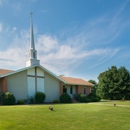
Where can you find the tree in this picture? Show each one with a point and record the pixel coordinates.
(114, 83)
(94, 88)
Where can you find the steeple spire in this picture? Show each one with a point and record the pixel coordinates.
(32, 46)
(32, 52)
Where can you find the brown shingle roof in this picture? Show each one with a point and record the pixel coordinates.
(75, 81)
(3, 71)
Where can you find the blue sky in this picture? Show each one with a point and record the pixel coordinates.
(78, 38)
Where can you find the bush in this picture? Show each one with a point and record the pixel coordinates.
(93, 97)
(25, 101)
(8, 98)
(96, 99)
(88, 100)
(55, 101)
(40, 97)
(20, 102)
(65, 98)
(81, 97)
(31, 100)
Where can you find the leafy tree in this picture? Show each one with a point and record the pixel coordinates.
(114, 83)
(94, 88)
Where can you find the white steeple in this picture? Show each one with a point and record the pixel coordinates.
(32, 52)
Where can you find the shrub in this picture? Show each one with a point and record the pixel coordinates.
(88, 100)
(40, 97)
(25, 101)
(96, 99)
(93, 97)
(8, 98)
(20, 102)
(65, 98)
(81, 97)
(31, 99)
(55, 101)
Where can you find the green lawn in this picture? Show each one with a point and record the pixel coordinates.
(92, 116)
(118, 103)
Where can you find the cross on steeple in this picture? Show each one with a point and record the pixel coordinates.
(31, 13)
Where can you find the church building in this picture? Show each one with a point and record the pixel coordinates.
(27, 81)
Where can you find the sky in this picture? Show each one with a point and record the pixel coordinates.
(74, 38)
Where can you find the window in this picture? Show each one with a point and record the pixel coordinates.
(71, 90)
(33, 54)
(84, 90)
(64, 89)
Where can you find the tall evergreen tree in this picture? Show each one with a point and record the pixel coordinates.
(114, 83)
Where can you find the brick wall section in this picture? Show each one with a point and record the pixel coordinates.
(3, 84)
(88, 90)
(80, 89)
(61, 87)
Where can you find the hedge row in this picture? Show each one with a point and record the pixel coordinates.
(9, 99)
(90, 98)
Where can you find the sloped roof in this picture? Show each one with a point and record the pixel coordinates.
(75, 81)
(9, 72)
(3, 71)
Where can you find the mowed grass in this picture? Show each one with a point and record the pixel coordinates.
(90, 116)
(116, 102)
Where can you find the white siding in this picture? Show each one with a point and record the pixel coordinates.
(31, 71)
(17, 84)
(52, 88)
(40, 72)
(31, 86)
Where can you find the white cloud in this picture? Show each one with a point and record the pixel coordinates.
(46, 43)
(15, 56)
(65, 58)
(104, 56)
(1, 27)
(14, 28)
(57, 57)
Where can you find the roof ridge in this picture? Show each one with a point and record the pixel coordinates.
(70, 77)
